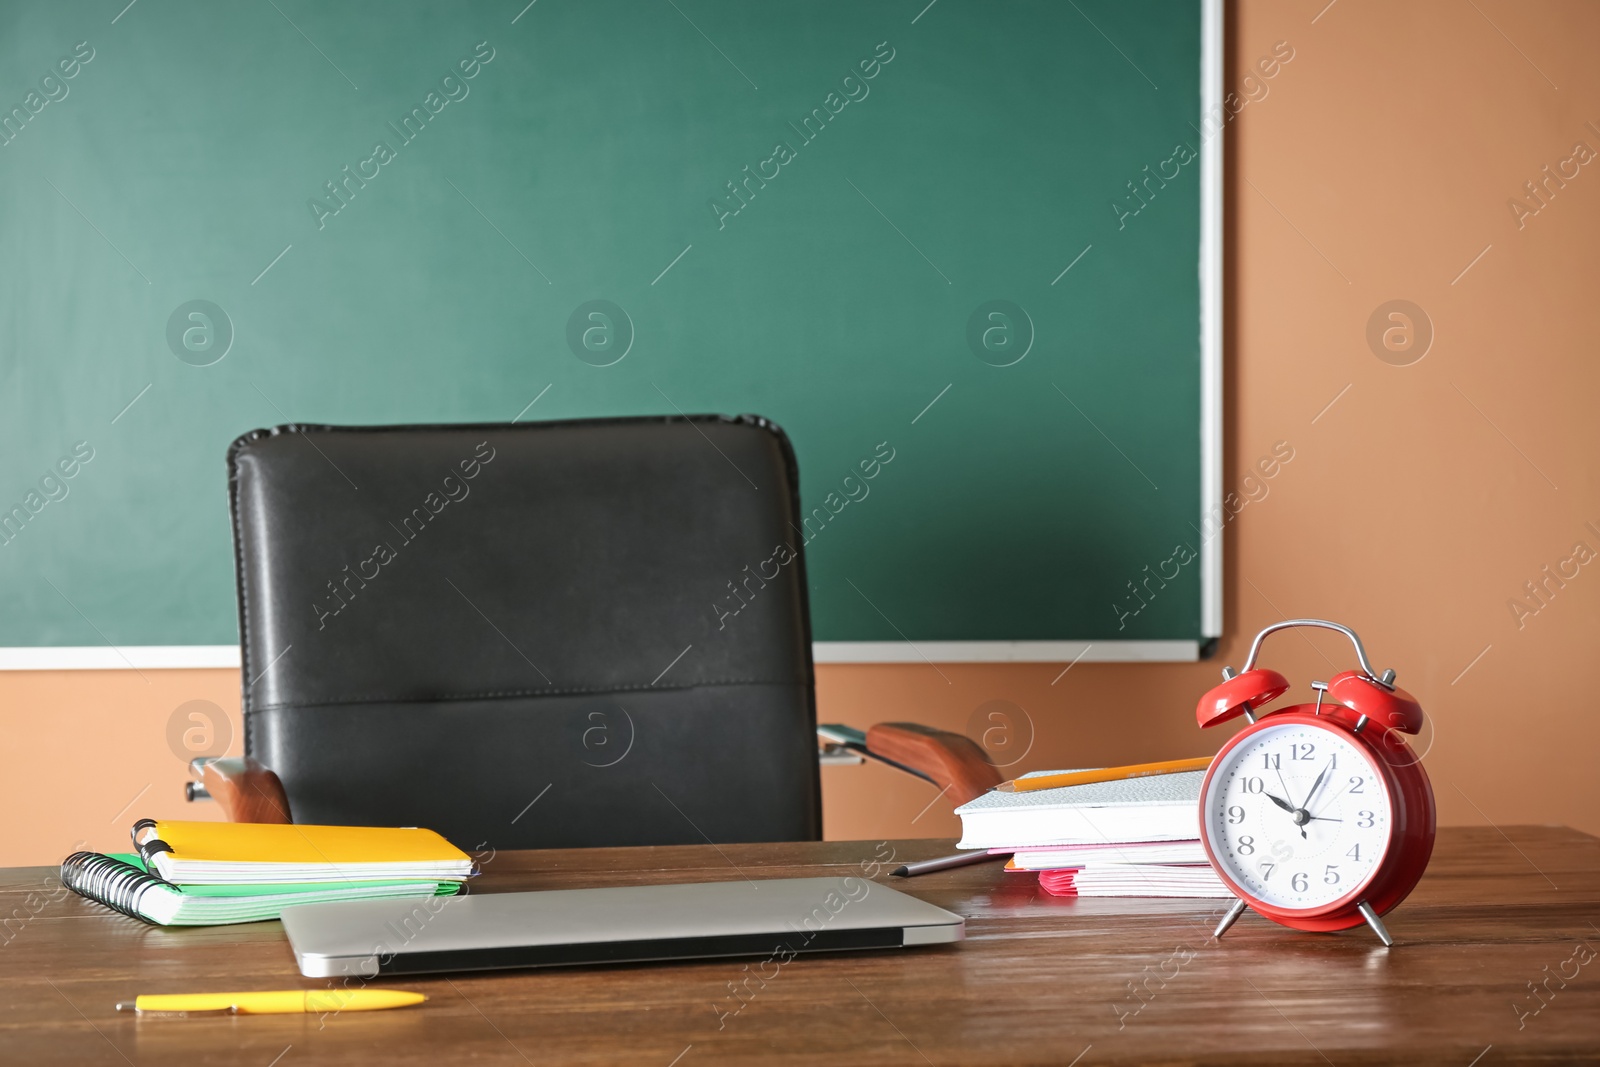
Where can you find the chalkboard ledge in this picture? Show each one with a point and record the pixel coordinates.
(120, 658)
(1181, 651)
(171, 657)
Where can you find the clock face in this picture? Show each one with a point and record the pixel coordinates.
(1297, 816)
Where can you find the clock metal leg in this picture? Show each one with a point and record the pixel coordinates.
(1229, 919)
(1376, 923)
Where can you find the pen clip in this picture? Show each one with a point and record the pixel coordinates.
(127, 1005)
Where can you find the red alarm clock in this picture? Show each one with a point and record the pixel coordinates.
(1318, 816)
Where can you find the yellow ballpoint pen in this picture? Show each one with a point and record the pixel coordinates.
(275, 1002)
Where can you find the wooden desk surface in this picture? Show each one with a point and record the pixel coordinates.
(1038, 980)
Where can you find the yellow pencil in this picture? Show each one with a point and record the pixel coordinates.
(276, 1002)
(1104, 774)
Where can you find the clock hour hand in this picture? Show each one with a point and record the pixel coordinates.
(1300, 816)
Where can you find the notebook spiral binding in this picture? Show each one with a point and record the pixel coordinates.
(109, 881)
(148, 850)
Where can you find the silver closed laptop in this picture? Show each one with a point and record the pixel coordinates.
(779, 917)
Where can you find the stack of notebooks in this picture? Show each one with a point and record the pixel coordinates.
(1135, 837)
(204, 873)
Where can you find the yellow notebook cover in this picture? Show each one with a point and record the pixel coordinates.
(225, 842)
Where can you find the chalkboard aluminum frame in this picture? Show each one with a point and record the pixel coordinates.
(1210, 266)
(160, 657)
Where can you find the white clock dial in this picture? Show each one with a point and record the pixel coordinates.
(1297, 815)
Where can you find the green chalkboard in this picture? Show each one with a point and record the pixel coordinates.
(855, 218)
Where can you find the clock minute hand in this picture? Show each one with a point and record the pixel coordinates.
(1317, 785)
(1302, 814)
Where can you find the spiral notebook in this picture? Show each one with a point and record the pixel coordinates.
(123, 882)
(221, 853)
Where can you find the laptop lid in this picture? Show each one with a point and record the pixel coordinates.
(781, 917)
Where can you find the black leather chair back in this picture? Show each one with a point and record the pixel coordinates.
(537, 635)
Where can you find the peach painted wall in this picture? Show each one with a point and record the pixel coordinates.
(1379, 166)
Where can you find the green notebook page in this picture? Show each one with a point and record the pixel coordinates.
(133, 859)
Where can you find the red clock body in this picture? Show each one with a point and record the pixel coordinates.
(1318, 816)
(1407, 846)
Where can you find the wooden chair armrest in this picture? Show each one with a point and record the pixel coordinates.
(953, 761)
(247, 790)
